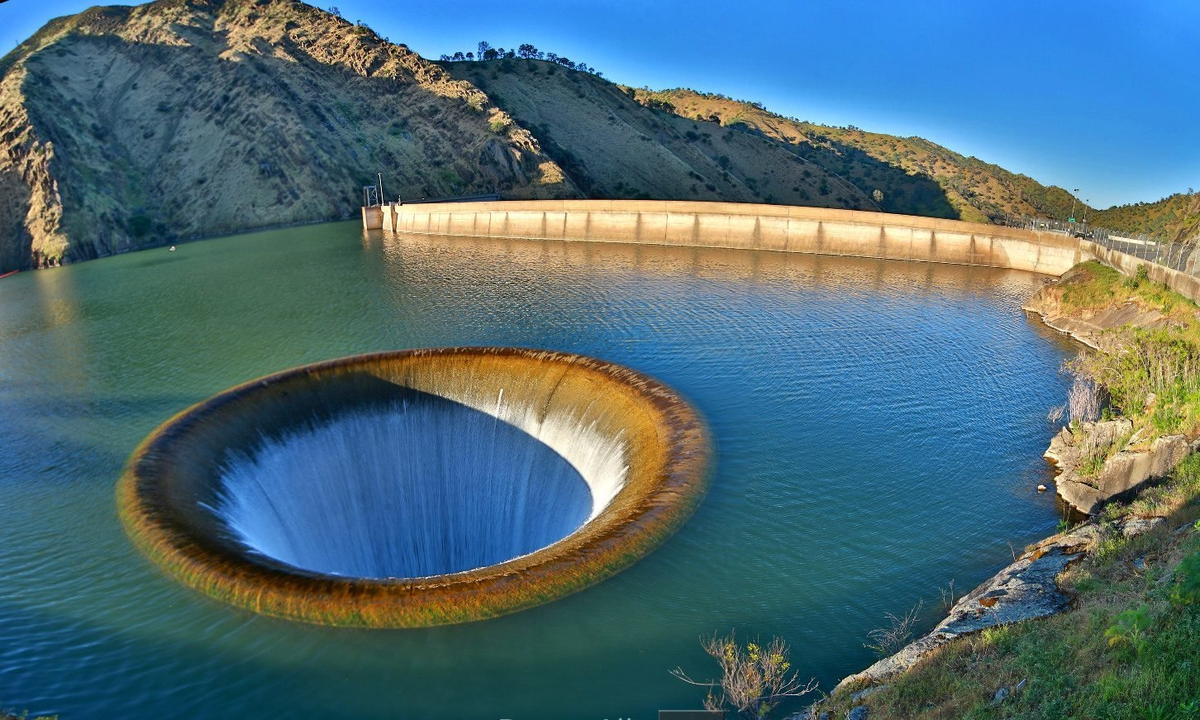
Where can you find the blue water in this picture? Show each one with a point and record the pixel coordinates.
(879, 429)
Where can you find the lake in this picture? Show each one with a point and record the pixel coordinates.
(878, 426)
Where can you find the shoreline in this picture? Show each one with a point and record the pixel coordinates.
(182, 240)
(1028, 588)
(1024, 589)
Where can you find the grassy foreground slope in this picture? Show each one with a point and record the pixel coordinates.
(1130, 647)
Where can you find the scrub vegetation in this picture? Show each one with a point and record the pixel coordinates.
(1175, 218)
(1130, 647)
(1150, 375)
(755, 677)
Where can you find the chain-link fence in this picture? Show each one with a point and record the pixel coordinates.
(1177, 256)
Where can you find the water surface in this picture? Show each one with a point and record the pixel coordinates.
(879, 428)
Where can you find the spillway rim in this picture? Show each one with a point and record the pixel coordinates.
(667, 479)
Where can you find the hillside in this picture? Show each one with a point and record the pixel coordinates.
(614, 147)
(1175, 218)
(125, 127)
(129, 126)
(915, 176)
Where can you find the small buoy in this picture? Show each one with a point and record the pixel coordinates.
(1041, 488)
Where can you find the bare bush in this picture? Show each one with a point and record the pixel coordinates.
(948, 598)
(1056, 413)
(1083, 402)
(887, 640)
(754, 678)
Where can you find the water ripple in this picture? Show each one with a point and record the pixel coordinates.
(878, 425)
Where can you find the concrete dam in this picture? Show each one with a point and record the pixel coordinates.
(819, 231)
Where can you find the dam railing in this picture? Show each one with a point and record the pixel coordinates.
(1152, 248)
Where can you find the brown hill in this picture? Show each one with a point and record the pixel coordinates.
(913, 175)
(1175, 218)
(124, 127)
(128, 126)
(612, 146)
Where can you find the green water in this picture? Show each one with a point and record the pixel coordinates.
(879, 428)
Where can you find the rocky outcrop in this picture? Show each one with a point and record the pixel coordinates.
(1122, 472)
(1086, 325)
(1128, 463)
(1026, 589)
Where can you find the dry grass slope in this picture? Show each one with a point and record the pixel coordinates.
(913, 175)
(129, 126)
(612, 146)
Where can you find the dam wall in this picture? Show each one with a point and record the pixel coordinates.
(1181, 282)
(820, 231)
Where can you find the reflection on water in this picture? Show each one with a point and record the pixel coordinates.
(879, 428)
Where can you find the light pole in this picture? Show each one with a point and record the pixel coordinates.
(1074, 192)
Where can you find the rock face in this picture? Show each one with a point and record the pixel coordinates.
(1086, 326)
(1026, 589)
(1076, 452)
(122, 127)
(1121, 474)
(1023, 590)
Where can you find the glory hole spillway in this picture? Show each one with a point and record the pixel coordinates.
(416, 488)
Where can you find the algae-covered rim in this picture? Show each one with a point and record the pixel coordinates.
(667, 448)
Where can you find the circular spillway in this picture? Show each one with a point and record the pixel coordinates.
(416, 488)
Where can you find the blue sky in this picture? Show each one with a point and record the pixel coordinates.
(1100, 95)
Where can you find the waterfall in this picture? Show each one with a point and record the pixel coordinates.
(422, 486)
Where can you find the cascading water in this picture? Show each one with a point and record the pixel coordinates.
(416, 488)
(421, 487)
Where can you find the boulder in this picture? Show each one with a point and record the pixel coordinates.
(1122, 473)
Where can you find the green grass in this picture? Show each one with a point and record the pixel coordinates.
(1100, 287)
(1129, 649)
(1151, 374)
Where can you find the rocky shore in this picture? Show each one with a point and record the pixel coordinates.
(1078, 447)
(1097, 461)
(1026, 589)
